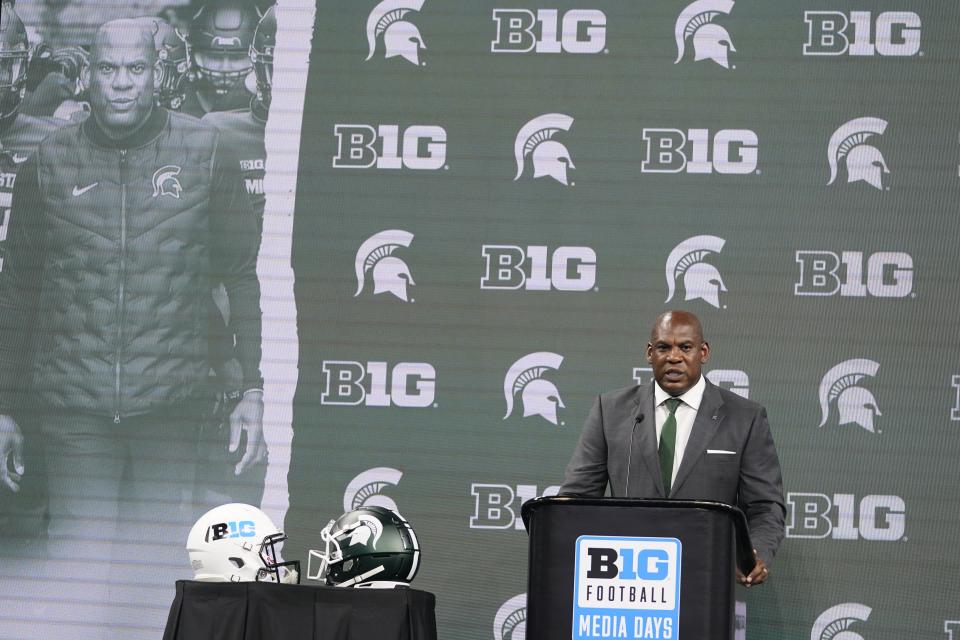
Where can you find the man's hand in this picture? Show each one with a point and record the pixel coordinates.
(759, 574)
(11, 445)
(248, 416)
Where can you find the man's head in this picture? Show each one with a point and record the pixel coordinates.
(677, 351)
(13, 60)
(120, 76)
(220, 38)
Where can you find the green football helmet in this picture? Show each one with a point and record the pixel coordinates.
(367, 547)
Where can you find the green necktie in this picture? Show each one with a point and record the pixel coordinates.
(668, 443)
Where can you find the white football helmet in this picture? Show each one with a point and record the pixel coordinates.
(236, 543)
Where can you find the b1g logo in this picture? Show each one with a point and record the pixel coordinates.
(710, 40)
(855, 404)
(366, 489)
(863, 162)
(836, 622)
(626, 587)
(885, 274)
(374, 384)
(418, 147)
(232, 529)
(727, 152)
(700, 279)
(733, 380)
(816, 515)
(550, 157)
(510, 621)
(834, 33)
(549, 31)
(390, 20)
(535, 268)
(390, 273)
(538, 396)
(497, 506)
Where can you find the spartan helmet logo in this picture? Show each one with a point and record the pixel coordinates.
(700, 280)
(864, 161)
(550, 158)
(390, 274)
(364, 490)
(400, 37)
(854, 404)
(367, 531)
(510, 623)
(539, 396)
(165, 182)
(710, 41)
(835, 622)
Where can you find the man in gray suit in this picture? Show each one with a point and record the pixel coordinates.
(683, 437)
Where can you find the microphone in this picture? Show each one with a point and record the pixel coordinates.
(626, 488)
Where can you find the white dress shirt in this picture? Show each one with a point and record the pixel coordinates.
(685, 415)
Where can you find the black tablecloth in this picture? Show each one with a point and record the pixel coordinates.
(262, 611)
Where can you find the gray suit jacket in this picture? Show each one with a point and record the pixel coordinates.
(618, 447)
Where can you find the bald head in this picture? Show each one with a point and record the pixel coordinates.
(677, 351)
(120, 76)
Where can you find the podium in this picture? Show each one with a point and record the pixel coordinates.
(604, 568)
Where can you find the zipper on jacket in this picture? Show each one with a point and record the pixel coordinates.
(123, 275)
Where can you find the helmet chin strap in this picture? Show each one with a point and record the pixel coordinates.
(361, 577)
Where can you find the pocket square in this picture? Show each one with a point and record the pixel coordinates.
(723, 451)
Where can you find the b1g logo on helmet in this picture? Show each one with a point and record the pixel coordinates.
(232, 529)
(836, 622)
(734, 380)
(817, 516)
(390, 274)
(863, 161)
(855, 404)
(350, 383)
(729, 152)
(510, 621)
(366, 489)
(550, 157)
(544, 31)
(887, 274)
(834, 33)
(700, 279)
(418, 147)
(710, 40)
(538, 395)
(509, 267)
(390, 20)
(165, 182)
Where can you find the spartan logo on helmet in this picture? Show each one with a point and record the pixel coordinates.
(710, 41)
(539, 397)
(390, 274)
(550, 158)
(165, 182)
(510, 623)
(854, 403)
(863, 161)
(400, 36)
(13, 61)
(365, 489)
(835, 622)
(700, 280)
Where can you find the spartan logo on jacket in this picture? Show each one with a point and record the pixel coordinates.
(836, 621)
(535, 140)
(510, 622)
(390, 273)
(365, 490)
(390, 19)
(165, 182)
(696, 25)
(855, 404)
(700, 279)
(538, 395)
(848, 146)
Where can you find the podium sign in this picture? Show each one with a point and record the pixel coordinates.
(604, 569)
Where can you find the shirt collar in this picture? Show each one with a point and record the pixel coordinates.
(692, 397)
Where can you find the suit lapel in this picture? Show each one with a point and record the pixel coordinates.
(709, 416)
(646, 436)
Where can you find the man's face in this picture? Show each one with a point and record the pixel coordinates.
(677, 350)
(121, 79)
